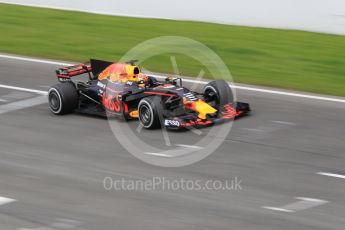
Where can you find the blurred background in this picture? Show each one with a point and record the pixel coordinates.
(311, 15)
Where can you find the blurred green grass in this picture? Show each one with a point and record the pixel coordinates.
(288, 59)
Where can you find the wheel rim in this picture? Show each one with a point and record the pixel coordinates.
(210, 97)
(54, 101)
(145, 115)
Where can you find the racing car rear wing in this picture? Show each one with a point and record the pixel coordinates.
(92, 68)
(65, 73)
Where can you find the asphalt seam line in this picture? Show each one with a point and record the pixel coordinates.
(255, 89)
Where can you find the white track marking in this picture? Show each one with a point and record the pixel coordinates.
(332, 175)
(189, 146)
(303, 204)
(277, 209)
(173, 156)
(23, 89)
(34, 60)
(16, 95)
(311, 199)
(2, 100)
(255, 89)
(158, 154)
(6, 200)
(22, 104)
(321, 98)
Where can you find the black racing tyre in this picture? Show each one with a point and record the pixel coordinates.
(150, 112)
(218, 91)
(63, 98)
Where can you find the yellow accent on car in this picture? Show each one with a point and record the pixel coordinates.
(132, 73)
(203, 109)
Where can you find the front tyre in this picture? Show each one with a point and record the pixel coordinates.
(150, 112)
(219, 92)
(63, 98)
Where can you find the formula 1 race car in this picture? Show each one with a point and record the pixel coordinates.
(122, 90)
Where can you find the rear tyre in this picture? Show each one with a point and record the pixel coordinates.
(150, 112)
(63, 98)
(219, 92)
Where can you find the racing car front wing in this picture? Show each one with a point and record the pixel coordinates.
(227, 113)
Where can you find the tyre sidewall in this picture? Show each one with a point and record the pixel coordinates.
(56, 91)
(67, 95)
(154, 106)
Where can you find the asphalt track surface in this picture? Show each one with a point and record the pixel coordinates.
(53, 167)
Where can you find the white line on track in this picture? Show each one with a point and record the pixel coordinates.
(255, 89)
(6, 200)
(278, 209)
(303, 203)
(189, 146)
(17, 95)
(321, 98)
(34, 60)
(158, 154)
(177, 155)
(24, 89)
(331, 175)
(22, 104)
